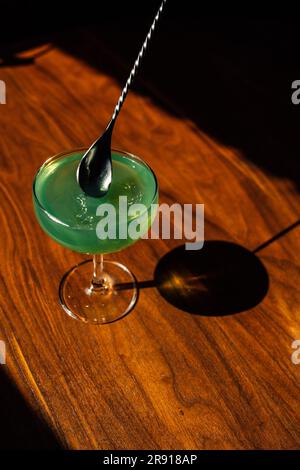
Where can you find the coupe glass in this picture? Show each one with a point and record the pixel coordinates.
(96, 290)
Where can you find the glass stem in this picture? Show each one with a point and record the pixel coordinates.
(98, 274)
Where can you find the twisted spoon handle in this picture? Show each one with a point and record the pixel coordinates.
(137, 63)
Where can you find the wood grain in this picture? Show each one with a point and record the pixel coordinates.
(160, 377)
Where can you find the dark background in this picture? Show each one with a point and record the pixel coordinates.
(27, 18)
(227, 67)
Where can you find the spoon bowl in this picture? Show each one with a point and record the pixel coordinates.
(94, 172)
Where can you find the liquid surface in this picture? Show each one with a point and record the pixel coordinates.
(70, 216)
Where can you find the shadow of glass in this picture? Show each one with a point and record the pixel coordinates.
(20, 427)
(221, 279)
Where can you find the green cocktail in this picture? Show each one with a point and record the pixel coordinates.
(69, 216)
(72, 218)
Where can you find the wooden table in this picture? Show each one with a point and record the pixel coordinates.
(162, 377)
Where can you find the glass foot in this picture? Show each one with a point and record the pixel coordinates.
(105, 301)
